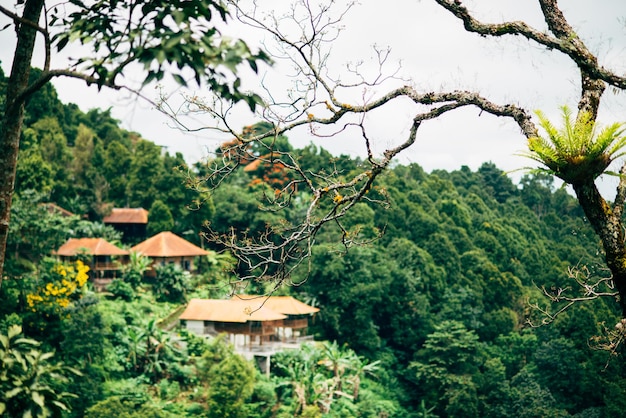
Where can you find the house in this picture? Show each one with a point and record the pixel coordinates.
(167, 247)
(131, 222)
(253, 326)
(245, 323)
(274, 321)
(104, 259)
(294, 326)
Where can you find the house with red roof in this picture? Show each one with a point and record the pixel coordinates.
(166, 248)
(104, 259)
(131, 222)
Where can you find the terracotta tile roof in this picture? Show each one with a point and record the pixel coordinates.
(253, 166)
(287, 305)
(227, 311)
(92, 246)
(167, 244)
(127, 216)
(271, 158)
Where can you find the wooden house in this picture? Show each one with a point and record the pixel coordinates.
(131, 222)
(262, 320)
(167, 247)
(298, 314)
(253, 326)
(104, 259)
(246, 324)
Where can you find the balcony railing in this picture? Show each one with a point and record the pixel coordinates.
(106, 266)
(297, 323)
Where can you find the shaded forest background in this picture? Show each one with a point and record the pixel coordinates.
(440, 302)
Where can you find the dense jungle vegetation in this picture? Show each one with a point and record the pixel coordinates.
(428, 319)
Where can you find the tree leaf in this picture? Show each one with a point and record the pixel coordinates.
(39, 399)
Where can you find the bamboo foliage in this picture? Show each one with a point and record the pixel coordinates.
(576, 152)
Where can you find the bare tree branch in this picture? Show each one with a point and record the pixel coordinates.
(564, 40)
(319, 101)
(589, 288)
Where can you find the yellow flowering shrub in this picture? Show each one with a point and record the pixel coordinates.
(58, 286)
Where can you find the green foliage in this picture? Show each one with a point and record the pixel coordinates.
(172, 283)
(34, 173)
(35, 230)
(137, 265)
(121, 289)
(160, 218)
(165, 37)
(231, 383)
(86, 229)
(116, 167)
(84, 346)
(144, 168)
(576, 152)
(263, 399)
(444, 289)
(118, 407)
(529, 399)
(28, 378)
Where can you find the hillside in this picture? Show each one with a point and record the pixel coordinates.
(430, 316)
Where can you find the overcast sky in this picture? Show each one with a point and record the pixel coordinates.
(437, 55)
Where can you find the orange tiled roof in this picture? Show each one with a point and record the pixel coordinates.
(227, 311)
(253, 166)
(229, 144)
(127, 216)
(92, 246)
(167, 244)
(287, 305)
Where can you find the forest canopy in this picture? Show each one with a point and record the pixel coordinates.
(446, 293)
(433, 316)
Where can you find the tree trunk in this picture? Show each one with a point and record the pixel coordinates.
(611, 232)
(11, 123)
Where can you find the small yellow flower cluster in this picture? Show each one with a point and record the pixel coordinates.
(61, 287)
(32, 300)
(81, 273)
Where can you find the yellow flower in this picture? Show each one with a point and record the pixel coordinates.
(61, 270)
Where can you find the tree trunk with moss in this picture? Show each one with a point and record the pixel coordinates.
(608, 226)
(11, 122)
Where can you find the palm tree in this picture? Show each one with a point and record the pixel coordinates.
(161, 350)
(133, 271)
(360, 367)
(337, 360)
(299, 375)
(577, 152)
(136, 347)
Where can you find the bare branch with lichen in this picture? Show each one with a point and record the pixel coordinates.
(327, 105)
(563, 38)
(613, 339)
(563, 298)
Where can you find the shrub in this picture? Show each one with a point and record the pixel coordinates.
(121, 289)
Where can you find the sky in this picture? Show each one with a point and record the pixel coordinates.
(436, 54)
